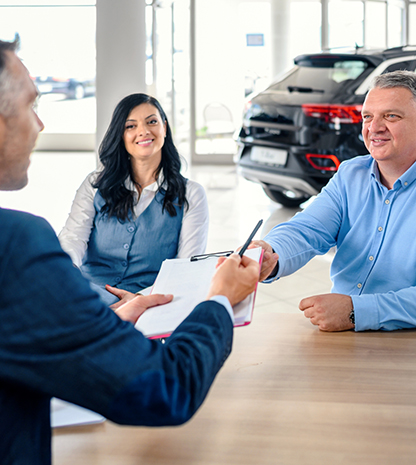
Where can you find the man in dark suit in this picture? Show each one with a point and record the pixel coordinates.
(58, 339)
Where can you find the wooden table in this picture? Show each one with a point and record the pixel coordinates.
(288, 394)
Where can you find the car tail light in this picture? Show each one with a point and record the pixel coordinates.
(347, 114)
(247, 106)
(323, 162)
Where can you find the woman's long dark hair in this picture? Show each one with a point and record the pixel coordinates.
(119, 201)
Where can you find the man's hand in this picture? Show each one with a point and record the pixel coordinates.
(124, 296)
(235, 278)
(131, 306)
(132, 310)
(270, 258)
(330, 312)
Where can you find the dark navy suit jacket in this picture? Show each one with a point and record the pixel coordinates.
(58, 339)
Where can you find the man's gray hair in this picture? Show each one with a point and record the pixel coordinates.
(406, 79)
(6, 80)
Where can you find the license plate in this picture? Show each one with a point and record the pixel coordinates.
(267, 155)
(44, 88)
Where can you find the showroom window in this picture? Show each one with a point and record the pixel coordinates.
(58, 48)
(412, 23)
(351, 23)
(167, 64)
(346, 20)
(305, 16)
(375, 24)
(395, 18)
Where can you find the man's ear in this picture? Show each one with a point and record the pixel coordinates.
(2, 132)
(2, 144)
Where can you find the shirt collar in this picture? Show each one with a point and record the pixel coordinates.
(374, 172)
(404, 180)
(408, 177)
(160, 181)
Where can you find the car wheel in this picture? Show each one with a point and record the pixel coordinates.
(78, 92)
(286, 198)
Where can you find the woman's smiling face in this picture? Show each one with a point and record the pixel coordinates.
(144, 132)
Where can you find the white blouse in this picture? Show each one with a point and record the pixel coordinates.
(193, 237)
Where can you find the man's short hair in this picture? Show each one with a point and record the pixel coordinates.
(406, 79)
(6, 80)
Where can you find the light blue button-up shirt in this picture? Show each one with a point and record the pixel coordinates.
(373, 229)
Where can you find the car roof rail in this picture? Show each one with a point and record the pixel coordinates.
(400, 49)
(374, 59)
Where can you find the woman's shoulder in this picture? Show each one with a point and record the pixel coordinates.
(194, 188)
(90, 180)
(87, 189)
(93, 176)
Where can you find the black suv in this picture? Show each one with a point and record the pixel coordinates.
(297, 131)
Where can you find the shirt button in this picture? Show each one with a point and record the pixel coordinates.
(130, 229)
(118, 279)
(126, 246)
(371, 258)
(405, 183)
(387, 201)
(380, 228)
(359, 285)
(123, 263)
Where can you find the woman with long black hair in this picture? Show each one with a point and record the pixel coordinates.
(138, 210)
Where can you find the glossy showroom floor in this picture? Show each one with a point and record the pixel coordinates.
(235, 207)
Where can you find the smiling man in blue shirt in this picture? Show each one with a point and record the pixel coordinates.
(366, 211)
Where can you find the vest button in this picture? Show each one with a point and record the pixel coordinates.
(126, 246)
(130, 229)
(123, 263)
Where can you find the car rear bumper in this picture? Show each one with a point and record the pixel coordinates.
(290, 177)
(296, 185)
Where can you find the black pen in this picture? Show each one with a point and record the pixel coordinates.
(244, 248)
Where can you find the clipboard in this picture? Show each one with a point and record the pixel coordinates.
(189, 281)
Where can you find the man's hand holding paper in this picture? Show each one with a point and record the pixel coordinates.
(235, 278)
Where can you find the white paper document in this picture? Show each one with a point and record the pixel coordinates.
(67, 414)
(189, 283)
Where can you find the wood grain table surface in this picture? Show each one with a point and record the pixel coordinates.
(289, 394)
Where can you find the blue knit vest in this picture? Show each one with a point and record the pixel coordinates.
(129, 254)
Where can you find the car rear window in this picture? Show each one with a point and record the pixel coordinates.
(321, 75)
